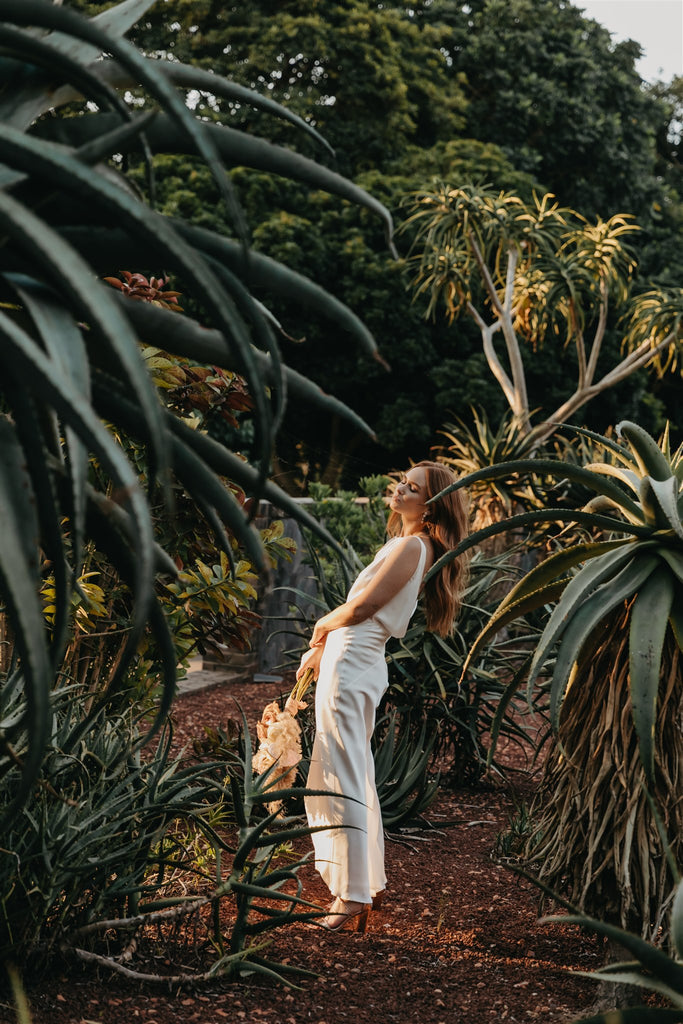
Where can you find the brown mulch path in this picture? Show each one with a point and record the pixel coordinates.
(457, 941)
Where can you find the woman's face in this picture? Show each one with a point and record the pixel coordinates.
(410, 494)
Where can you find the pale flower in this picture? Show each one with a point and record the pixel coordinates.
(279, 736)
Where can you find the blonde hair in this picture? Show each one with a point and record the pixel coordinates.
(446, 523)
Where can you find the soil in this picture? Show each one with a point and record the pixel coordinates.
(457, 940)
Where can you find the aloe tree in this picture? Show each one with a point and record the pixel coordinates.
(609, 660)
(72, 371)
(537, 273)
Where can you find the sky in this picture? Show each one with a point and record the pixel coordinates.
(656, 24)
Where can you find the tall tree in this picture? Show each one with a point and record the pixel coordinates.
(521, 95)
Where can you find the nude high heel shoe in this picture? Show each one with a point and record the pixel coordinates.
(378, 899)
(355, 920)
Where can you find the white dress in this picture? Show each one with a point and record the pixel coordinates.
(351, 681)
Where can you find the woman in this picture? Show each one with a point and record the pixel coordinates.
(348, 659)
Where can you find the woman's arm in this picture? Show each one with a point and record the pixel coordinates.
(393, 574)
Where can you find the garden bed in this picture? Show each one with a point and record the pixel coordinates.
(457, 940)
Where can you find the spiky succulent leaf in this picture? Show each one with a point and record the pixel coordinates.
(649, 620)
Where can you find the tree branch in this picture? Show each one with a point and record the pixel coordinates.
(636, 360)
(599, 334)
(495, 365)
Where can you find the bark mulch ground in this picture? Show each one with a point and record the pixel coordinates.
(457, 941)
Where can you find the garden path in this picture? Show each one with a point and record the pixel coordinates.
(458, 940)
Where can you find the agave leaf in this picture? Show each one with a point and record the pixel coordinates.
(666, 493)
(646, 451)
(64, 345)
(598, 571)
(551, 515)
(50, 383)
(95, 304)
(554, 467)
(527, 602)
(649, 617)
(587, 617)
(240, 149)
(48, 161)
(654, 960)
(19, 573)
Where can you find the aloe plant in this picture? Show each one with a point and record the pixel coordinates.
(611, 649)
(72, 371)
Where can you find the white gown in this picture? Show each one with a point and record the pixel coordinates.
(352, 679)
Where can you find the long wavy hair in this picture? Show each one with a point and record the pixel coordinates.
(446, 522)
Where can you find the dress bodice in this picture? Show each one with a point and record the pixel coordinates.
(395, 615)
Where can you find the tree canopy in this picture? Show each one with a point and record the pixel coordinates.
(517, 94)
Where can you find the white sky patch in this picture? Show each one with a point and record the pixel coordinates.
(656, 24)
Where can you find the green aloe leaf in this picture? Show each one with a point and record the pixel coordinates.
(49, 383)
(598, 571)
(557, 564)
(228, 464)
(648, 454)
(64, 344)
(563, 470)
(94, 304)
(586, 619)
(44, 53)
(649, 618)
(19, 574)
(32, 424)
(666, 494)
(38, 93)
(59, 168)
(622, 453)
(627, 476)
(279, 279)
(527, 602)
(655, 960)
(551, 515)
(36, 13)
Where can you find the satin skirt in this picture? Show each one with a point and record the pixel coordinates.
(353, 676)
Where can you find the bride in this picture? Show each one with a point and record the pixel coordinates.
(347, 655)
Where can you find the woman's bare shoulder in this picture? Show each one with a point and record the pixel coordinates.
(413, 546)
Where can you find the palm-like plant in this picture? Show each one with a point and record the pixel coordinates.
(527, 273)
(70, 345)
(616, 685)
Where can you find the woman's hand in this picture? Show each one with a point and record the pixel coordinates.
(321, 629)
(311, 659)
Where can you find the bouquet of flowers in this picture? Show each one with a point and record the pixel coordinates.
(279, 736)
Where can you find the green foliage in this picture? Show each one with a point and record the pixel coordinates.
(611, 648)
(82, 420)
(563, 101)
(358, 521)
(651, 969)
(541, 276)
(404, 93)
(464, 716)
(97, 835)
